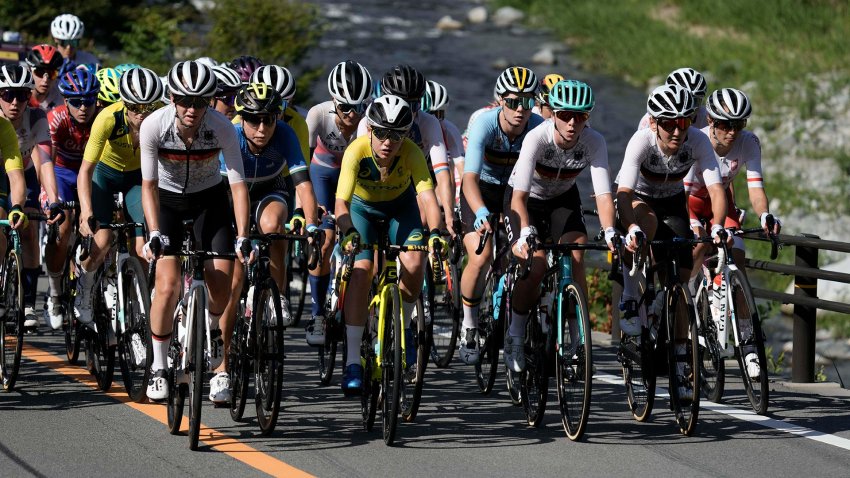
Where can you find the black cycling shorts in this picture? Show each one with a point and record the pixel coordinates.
(212, 215)
(493, 196)
(551, 217)
(673, 221)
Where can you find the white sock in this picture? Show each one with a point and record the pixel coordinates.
(692, 286)
(470, 316)
(407, 313)
(517, 323)
(54, 282)
(160, 354)
(353, 335)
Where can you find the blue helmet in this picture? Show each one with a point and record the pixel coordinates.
(79, 82)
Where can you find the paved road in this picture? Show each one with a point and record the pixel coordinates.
(57, 424)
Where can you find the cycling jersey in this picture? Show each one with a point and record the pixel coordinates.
(296, 121)
(10, 152)
(746, 150)
(361, 177)
(700, 122)
(188, 169)
(68, 137)
(474, 116)
(326, 140)
(32, 132)
(546, 171)
(280, 158)
(489, 152)
(453, 140)
(426, 133)
(53, 99)
(648, 172)
(110, 141)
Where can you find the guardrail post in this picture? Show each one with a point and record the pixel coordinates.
(805, 317)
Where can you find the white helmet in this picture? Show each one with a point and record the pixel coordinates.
(350, 83)
(690, 79)
(15, 76)
(278, 77)
(67, 27)
(439, 96)
(670, 101)
(390, 112)
(165, 94)
(728, 104)
(516, 79)
(228, 80)
(190, 78)
(140, 86)
(207, 61)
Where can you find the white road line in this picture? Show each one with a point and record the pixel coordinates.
(746, 415)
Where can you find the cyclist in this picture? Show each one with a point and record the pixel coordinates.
(693, 81)
(30, 124)
(229, 83)
(282, 81)
(109, 79)
(45, 62)
(273, 167)
(651, 196)
(332, 127)
(111, 165)
(70, 126)
(475, 114)
(207, 61)
(493, 148)
(67, 30)
(543, 198)
(381, 175)
(180, 145)
(435, 101)
(546, 83)
(245, 66)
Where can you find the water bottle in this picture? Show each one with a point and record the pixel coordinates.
(497, 297)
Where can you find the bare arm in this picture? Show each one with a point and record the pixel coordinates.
(307, 197)
(84, 179)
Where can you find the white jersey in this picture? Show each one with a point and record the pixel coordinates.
(546, 171)
(32, 132)
(746, 150)
(182, 169)
(53, 99)
(648, 172)
(427, 133)
(326, 140)
(700, 122)
(453, 139)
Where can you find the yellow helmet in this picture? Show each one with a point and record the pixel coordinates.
(546, 85)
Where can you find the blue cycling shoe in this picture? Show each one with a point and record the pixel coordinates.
(352, 380)
(410, 347)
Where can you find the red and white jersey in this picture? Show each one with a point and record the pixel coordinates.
(745, 152)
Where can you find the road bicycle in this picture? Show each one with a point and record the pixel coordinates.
(490, 330)
(442, 302)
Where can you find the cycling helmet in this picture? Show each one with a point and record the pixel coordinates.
(165, 93)
(278, 78)
(190, 78)
(123, 67)
(44, 56)
(439, 97)
(228, 80)
(350, 82)
(258, 99)
(546, 85)
(728, 104)
(109, 79)
(689, 79)
(390, 112)
(68, 66)
(516, 79)
(140, 86)
(15, 76)
(376, 89)
(670, 101)
(92, 67)
(404, 81)
(67, 27)
(245, 66)
(572, 95)
(78, 82)
(207, 61)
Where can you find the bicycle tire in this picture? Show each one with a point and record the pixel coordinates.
(371, 387)
(685, 409)
(135, 307)
(391, 362)
(327, 351)
(574, 376)
(423, 354)
(239, 363)
(176, 391)
(100, 354)
(757, 389)
(638, 374)
(296, 269)
(268, 357)
(12, 333)
(712, 363)
(534, 380)
(198, 365)
(71, 326)
(445, 318)
(513, 380)
(488, 339)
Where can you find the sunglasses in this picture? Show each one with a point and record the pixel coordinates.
(566, 116)
(515, 103)
(196, 102)
(228, 100)
(143, 109)
(347, 108)
(80, 102)
(727, 125)
(670, 125)
(384, 134)
(255, 120)
(67, 43)
(11, 95)
(42, 72)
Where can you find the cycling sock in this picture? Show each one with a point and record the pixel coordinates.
(517, 323)
(470, 312)
(213, 321)
(630, 285)
(407, 313)
(54, 283)
(353, 336)
(692, 286)
(30, 277)
(160, 351)
(318, 292)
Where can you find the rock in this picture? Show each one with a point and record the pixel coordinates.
(500, 63)
(448, 23)
(477, 15)
(544, 57)
(827, 290)
(507, 16)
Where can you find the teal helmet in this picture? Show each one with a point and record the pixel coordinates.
(572, 95)
(125, 66)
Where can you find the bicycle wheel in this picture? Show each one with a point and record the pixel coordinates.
(135, 350)
(239, 362)
(534, 381)
(489, 335)
(635, 355)
(423, 353)
(177, 390)
(371, 387)
(268, 357)
(391, 362)
(574, 361)
(296, 289)
(750, 340)
(327, 352)
(712, 365)
(12, 333)
(684, 367)
(197, 366)
(99, 351)
(70, 324)
(445, 317)
(513, 380)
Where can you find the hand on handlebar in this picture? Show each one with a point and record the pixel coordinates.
(153, 248)
(245, 248)
(523, 243)
(634, 237)
(766, 220)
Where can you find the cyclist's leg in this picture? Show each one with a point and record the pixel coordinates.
(271, 216)
(56, 253)
(30, 246)
(631, 314)
(324, 182)
(133, 212)
(407, 229)
(699, 210)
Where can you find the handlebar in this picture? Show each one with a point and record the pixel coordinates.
(491, 219)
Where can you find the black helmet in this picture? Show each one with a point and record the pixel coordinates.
(258, 99)
(404, 81)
